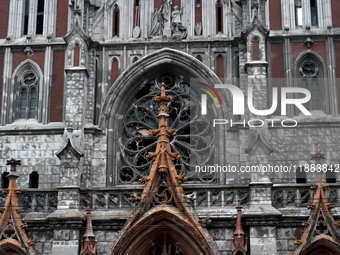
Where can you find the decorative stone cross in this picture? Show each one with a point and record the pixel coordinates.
(318, 155)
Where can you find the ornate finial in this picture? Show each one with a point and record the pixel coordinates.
(13, 174)
(206, 221)
(239, 240)
(89, 241)
(318, 155)
(134, 199)
(13, 164)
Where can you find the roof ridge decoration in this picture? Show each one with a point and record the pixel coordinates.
(321, 229)
(239, 240)
(88, 241)
(70, 145)
(12, 234)
(163, 192)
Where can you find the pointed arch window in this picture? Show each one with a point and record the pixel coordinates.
(219, 17)
(4, 180)
(34, 180)
(28, 95)
(115, 21)
(309, 75)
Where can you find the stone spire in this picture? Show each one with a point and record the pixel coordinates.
(12, 235)
(320, 229)
(163, 193)
(89, 241)
(239, 240)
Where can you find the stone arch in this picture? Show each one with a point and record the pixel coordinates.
(328, 102)
(119, 94)
(114, 75)
(11, 246)
(156, 224)
(323, 245)
(14, 94)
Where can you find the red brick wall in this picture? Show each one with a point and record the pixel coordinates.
(275, 15)
(198, 12)
(114, 71)
(176, 2)
(220, 68)
(335, 13)
(318, 47)
(337, 53)
(57, 92)
(256, 54)
(276, 50)
(38, 57)
(76, 55)
(158, 3)
(4, 18)
(2, 59)
(62, 17)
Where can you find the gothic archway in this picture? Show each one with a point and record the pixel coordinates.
(162, 231)
(323, 246)
(118, 99)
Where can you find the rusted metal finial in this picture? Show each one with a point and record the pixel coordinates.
(13, 164)
(239, 240)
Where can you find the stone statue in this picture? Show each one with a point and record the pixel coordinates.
(157, 23)
(198, 28)
(178, 30)
(167, 18)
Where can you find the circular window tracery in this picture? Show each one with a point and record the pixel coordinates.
(194, 140)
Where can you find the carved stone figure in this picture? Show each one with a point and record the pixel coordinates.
(157, 23)
(167, 18)
(198, 28)
(178, 30)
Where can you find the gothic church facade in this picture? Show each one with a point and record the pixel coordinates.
(78, 85)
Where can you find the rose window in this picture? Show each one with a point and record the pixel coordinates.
(194, 140)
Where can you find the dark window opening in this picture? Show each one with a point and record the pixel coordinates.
(27, 10)
(4, 180)
(301, 175)
(219, 19)
(331, 175)
(313, 13)
(40, 17)
(116, 22)
(198, 3)
(137, 2)
(34, 180)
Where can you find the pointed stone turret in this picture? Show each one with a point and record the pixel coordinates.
(13, 239)
(89, 241)
(162, 199)
(239, 240)
(321, 229)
